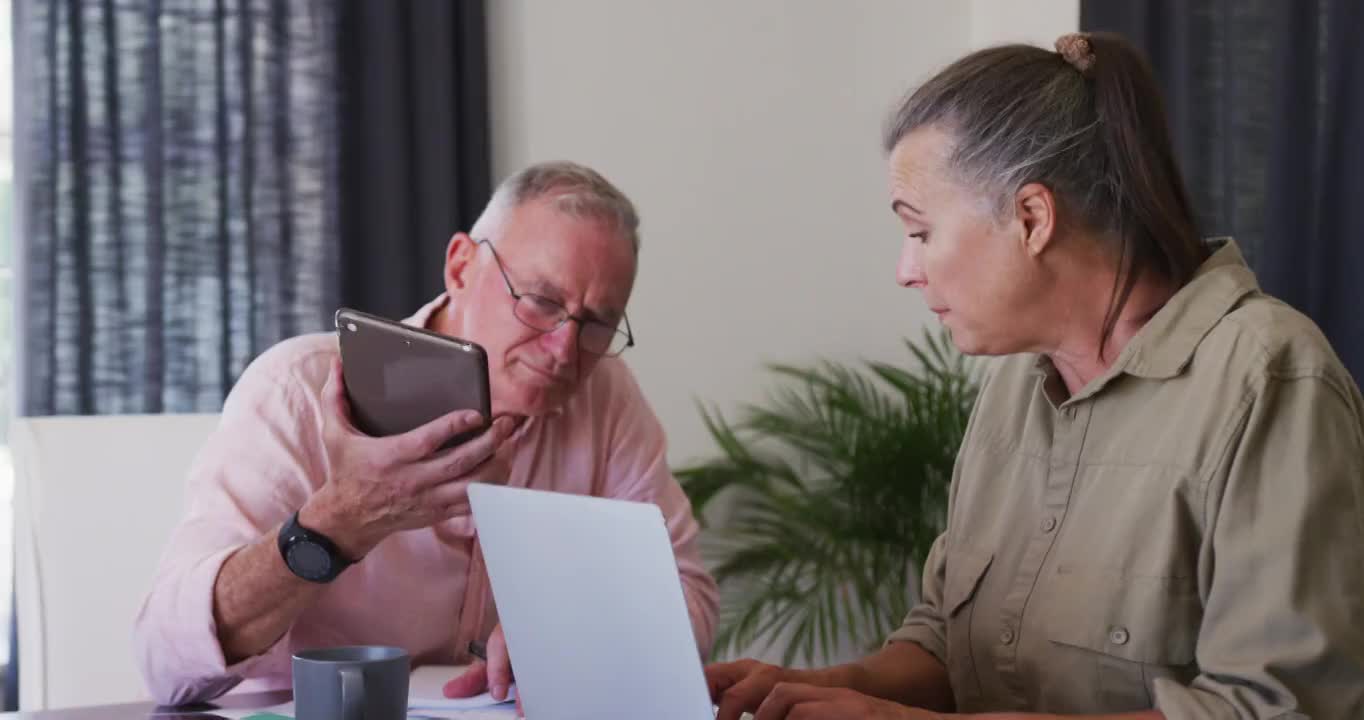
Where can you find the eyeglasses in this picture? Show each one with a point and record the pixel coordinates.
(540, 313)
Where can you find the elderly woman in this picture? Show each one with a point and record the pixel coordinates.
(1156, 512)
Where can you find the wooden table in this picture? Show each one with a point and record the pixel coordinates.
(151, 711)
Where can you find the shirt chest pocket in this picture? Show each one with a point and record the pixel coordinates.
(966, 569)
(1119, 634)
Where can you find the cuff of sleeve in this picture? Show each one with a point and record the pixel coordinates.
(196, 615)
(924, 637)
(1214, 702)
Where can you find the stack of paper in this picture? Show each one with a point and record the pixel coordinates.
(426, 697)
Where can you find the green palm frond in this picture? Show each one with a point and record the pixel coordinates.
(836, 487)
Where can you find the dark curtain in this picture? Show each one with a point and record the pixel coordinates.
(198, 179)
(415, 148)
(1266, 102)
(202, 178)
(179, 202)
(176, 164)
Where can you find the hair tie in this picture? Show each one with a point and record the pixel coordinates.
(1075, 49)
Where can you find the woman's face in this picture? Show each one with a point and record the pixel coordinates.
(973, 268)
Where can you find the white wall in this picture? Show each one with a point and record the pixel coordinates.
(1037, 22)
(748, 133)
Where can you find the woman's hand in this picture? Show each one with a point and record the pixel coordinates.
(740, 687)
(794, 701)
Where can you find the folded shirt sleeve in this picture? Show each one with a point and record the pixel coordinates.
(256, 469)
(1283, 625)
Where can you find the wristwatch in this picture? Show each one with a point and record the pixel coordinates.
(310, 554)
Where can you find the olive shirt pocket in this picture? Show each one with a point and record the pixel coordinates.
(1121, 633)
(966, 569)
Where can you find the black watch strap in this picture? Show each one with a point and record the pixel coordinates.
(310, 554)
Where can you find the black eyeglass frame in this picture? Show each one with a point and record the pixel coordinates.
(564, 314)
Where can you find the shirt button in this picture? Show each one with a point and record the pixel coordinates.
(1119, 636)
(1007, 636)
(1049, 524)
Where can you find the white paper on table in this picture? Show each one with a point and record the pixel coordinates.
(426, 691)
(504, 711)
(495, 712)
(285, 709)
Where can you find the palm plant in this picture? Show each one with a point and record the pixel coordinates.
(836, 489)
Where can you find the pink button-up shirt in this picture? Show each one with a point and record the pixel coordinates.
(422, 590)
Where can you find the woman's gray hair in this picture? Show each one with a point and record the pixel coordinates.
(1088, 122)
(1017, 114)
(577, 190)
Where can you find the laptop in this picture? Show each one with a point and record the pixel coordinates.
(592, 606)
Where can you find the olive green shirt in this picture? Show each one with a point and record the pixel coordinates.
(1183, 534)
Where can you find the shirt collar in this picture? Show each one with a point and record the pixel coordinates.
(422, 318)
(1166, 343)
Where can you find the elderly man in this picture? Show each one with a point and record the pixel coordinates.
(541, 283)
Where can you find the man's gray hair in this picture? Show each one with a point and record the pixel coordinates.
(577, 190)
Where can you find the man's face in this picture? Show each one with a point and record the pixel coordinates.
(581, 263)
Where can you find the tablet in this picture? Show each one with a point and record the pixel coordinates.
(400, 377)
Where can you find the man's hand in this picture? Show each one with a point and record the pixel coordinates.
(494, 676)
(793, 701)
(378, 486)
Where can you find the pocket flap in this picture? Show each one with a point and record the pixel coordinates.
(966, 567)
(1147, 620)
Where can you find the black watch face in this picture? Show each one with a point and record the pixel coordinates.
(309, 560)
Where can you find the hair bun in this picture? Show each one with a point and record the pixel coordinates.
(1075, 49)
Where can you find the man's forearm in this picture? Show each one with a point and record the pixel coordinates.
(256, 599)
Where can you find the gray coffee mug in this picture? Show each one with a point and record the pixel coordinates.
(365, 682)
